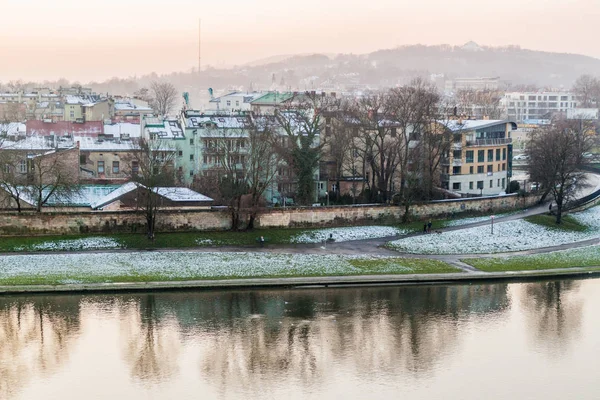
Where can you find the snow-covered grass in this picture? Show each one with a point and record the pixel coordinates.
(347, 234)
(169, 266)
(473, 220)
(509, 236)
(88, 243)
(582, 257)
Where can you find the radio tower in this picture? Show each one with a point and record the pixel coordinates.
(199, 45)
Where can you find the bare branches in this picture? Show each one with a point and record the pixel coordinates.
(164, 97)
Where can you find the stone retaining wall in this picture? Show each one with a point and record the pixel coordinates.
(75, 222)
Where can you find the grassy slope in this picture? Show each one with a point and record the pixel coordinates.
(584, 257)
(568, 223)
(365, 266)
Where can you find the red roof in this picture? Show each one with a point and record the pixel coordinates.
(64, 128)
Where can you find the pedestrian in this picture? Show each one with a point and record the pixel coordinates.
(424, 228)
(262, 241)
(550, 208)
(429, 227)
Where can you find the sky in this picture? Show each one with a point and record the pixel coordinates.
(85, 41)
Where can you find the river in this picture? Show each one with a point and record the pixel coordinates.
(498, 341)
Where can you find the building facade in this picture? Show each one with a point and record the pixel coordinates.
(520, 106)
(480, 159)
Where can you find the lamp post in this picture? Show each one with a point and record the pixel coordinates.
(492, 224)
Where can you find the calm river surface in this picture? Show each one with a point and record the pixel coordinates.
(501, 341)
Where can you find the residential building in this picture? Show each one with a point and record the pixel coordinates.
(233, 102)
(64, 128)
(131, 110)
(480, 159)
(520, 106)
(168, 136)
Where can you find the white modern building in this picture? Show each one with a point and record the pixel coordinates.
(520, 106)
(233, 102)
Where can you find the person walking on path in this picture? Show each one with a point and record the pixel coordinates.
(424, 228)
(262, 241)
(550, 208)
(429, 227)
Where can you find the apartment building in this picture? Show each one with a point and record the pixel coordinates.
(480, 159)
(233, 102)
(520, 106)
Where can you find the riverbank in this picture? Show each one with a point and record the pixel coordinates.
(309, 282)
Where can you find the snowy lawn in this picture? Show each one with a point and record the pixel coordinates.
(583, 257)
(508, 237)
(87, 243)
(348, 233)
(473, 220)
(181, 265)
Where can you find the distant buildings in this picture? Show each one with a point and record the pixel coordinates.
(457, 84)
(520, 106)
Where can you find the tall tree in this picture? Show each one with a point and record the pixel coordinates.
(555, 159)
(302, 120)
(164, 97)
(150, 166)
(587, 88)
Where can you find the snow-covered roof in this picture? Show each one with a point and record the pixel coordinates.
(247, 97)
(128, 106)
(93, 144)
(123, 128)
(181, 194)
(222, 122)
(84, 196)
(37, 143)
(14, 128)
(176, 194)
(472, 124)
(170, 129)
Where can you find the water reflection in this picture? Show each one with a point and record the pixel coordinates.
(234, 342)
(36, 335)
(554, 312)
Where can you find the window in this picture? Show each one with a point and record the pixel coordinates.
(497, 154)
(490, 168)
(82, 159)
(22, 166)
(479, 184)
(456, 186)
(469, 155)
(192, 173)
(498, 182)
(192, 141)
(504, 167)
(393, 132)
(470, 170)
(471, 185)
(456, 170)
(503, 154)
(228, 103)
(180, 153)
(135, 167)
(237, 103)
(191, 157)
(491, 183)
(100, 167)
(480, 169)
(327, 130)
(503, 182)
(480, 155)
(490, 156)
(205, 159)
(115, 169)
(457, 154)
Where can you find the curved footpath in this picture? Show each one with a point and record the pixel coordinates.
(367, 247)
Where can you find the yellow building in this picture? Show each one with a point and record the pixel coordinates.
(480, 158)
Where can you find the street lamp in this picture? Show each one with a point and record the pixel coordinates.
(493, 224)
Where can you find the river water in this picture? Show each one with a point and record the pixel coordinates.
(495, 341)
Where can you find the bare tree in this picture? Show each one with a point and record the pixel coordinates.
(479, 103)
(164, 97)
(150, 166)
(54, 174)
(555, 158)
(302, 121)
(587, 88)
(13, 177)
(246, 165)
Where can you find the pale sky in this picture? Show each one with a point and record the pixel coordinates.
(95, 40)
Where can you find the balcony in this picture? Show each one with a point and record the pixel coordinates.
(457, 163)
(456, 145)
(488, 142)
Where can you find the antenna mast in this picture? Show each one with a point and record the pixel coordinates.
(199, 45)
